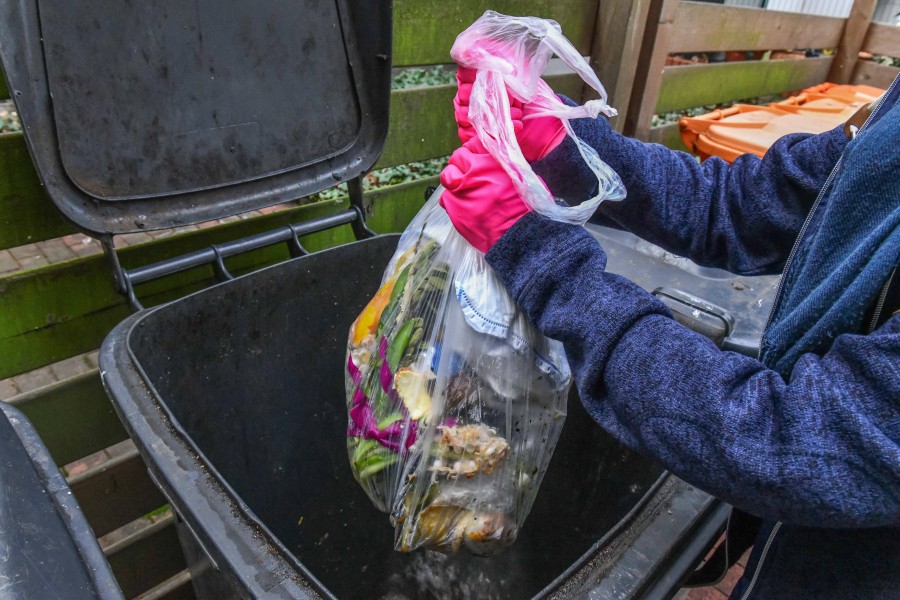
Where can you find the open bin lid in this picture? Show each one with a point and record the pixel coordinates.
(154, 114)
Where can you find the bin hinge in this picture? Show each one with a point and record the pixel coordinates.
(215, 255)
(357, 202)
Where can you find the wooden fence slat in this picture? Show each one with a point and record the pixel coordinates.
(699, 85)
(701, 27)
(44, 310)
(874, 74)
(116, 492)
(422, 124)
(74, 417)
(61, 310)
(847, 53)
(26, 213)
(654, 49)
(424, 30)
(394, 211)
(616, 50)
(882, 39)
(147, 557)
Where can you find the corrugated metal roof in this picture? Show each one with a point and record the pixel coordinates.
(887, 11)
(827, 8)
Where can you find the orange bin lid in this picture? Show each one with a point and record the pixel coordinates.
(742, 128)
(826, 108)
(745, 128)
(759, 139)
(846, 93)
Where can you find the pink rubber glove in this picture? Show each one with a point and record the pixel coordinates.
(537, 136)
(479, 196)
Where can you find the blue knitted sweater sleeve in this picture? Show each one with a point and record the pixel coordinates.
(823, 447)
(742, 217)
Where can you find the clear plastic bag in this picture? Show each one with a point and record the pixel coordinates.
(455, 400)
(454, 413)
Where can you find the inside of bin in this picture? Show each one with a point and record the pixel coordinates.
(252, 371)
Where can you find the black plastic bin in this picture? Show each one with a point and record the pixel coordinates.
(235, 396)
(153, 114)
(47, 548)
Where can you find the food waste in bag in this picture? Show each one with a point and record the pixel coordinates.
(455, 400)
(453, 414)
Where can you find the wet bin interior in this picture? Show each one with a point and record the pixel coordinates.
(250, 372)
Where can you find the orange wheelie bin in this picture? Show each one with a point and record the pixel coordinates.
(744, 128)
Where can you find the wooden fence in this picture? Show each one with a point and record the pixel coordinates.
(54, 312)
(677, 27)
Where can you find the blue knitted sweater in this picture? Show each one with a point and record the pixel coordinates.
(809, 437)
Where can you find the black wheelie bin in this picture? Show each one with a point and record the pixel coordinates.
(147, 115)
(47, 548)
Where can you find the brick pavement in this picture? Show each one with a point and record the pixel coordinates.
(720, 590)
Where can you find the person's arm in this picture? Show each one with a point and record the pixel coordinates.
(742, 217)
(820, 449)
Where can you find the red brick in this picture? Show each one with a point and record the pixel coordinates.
(82, 245)
(70, 367)
(731, 578)
(26, 251)
(184, 229)
(275, 208)
(33, 380)
(8, 389)
(742, 561)
(7, 262)
(705, 593)
(33, 262)
(73, 239)
(29, 256)
(56, 251)
(120, 448)
(133, 239)
(88, 462)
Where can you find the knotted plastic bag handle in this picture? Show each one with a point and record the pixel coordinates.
(509, 55)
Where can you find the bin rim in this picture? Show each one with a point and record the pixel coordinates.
(207, 503)
(58, 492)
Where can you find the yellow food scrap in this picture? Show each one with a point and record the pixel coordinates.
(367, 321)
(411, 387)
